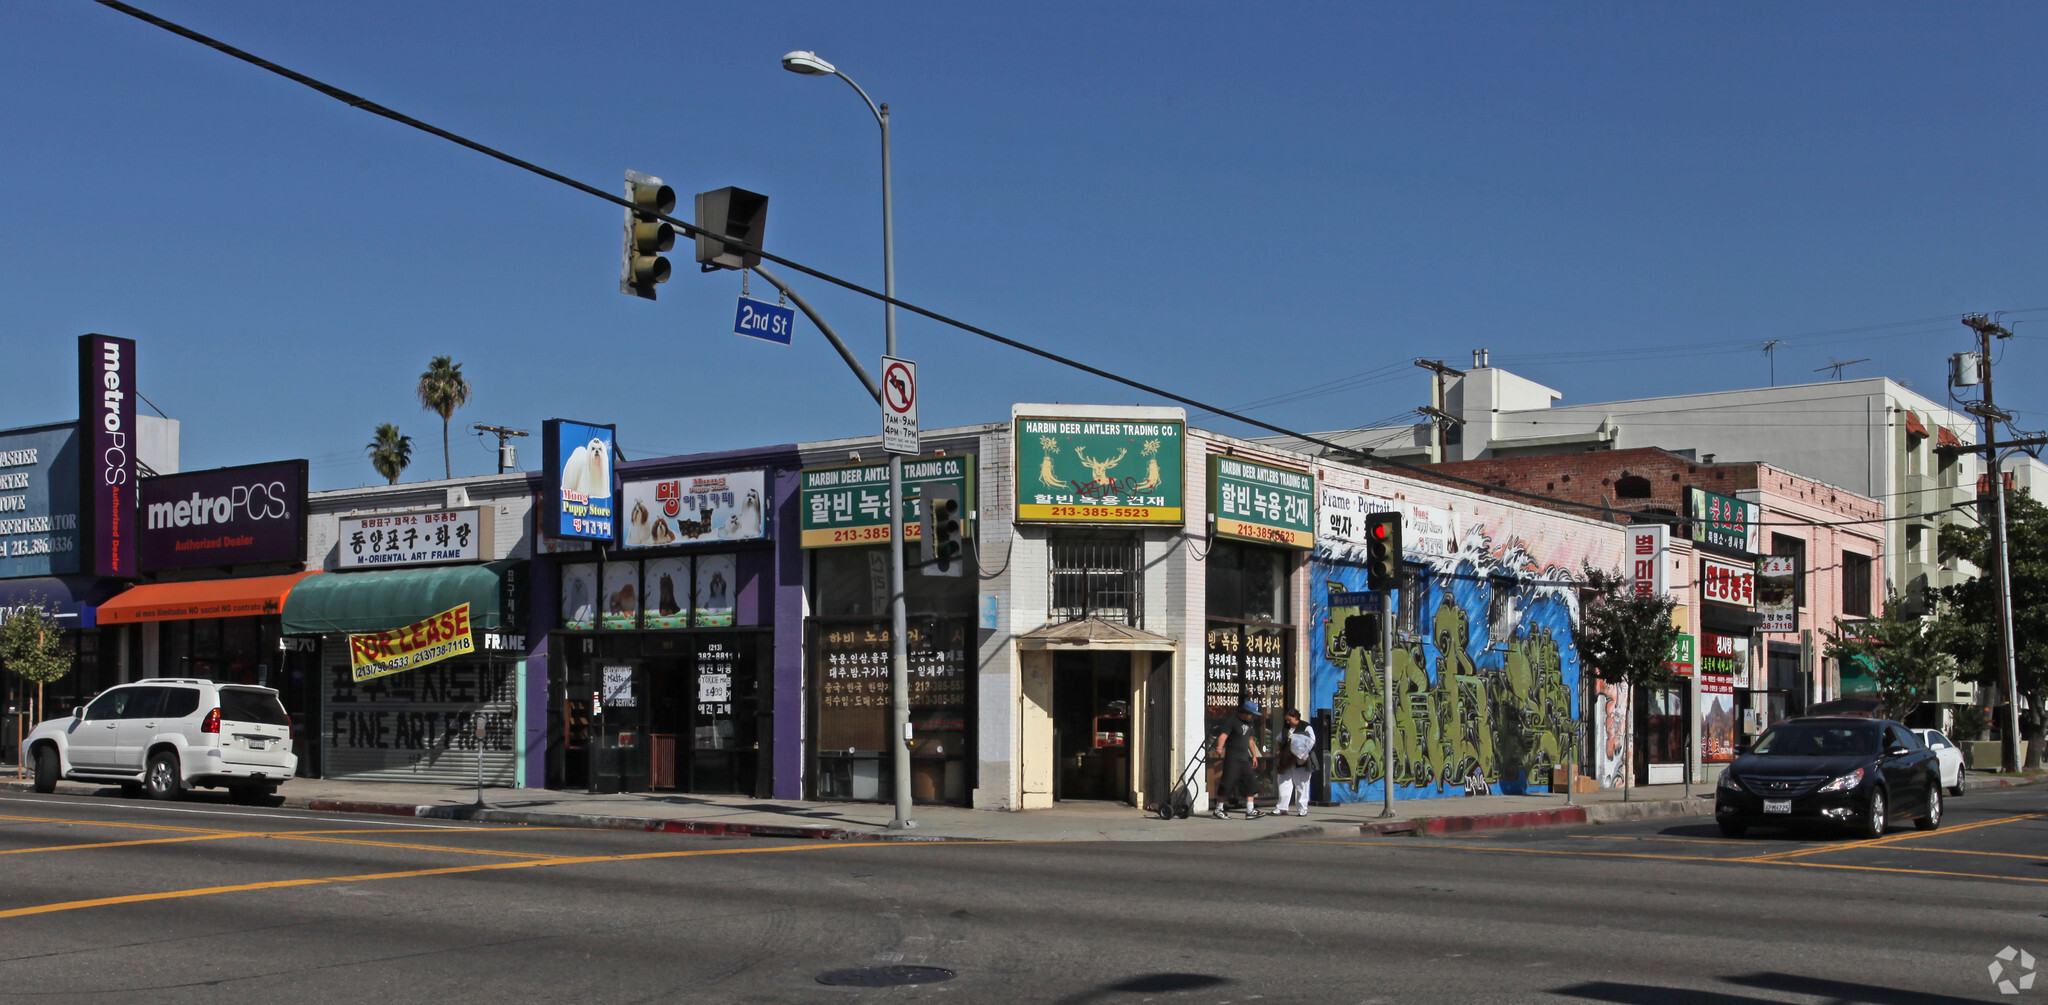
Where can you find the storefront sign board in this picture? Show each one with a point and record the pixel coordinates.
(1732, 583)
(576, 480)
(1646, 547)
(1777, 592)
(1721, 520)
(1100, 471)
(1263, 503)
(106, 417)
(687, 509)
(849, 505)
(242, 515)
(1427, 532)
(440, 637)
(1723, 658)
(426, 537)
(39, 492)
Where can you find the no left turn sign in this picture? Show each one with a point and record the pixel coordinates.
(899, 406)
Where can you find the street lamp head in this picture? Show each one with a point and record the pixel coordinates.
(806, 62)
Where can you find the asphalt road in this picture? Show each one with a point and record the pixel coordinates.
(106, 899)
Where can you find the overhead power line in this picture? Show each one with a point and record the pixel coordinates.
(358, 101)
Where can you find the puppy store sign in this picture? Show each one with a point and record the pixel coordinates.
(576, 482)
(690, 509)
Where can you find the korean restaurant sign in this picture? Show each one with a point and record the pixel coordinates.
(440, 637)
(1777, 594)
(1722, 521)
(1258, 502)
(843, 506)
(424, 538)
(1076, 470)
(1646, 546)
(1728, 582)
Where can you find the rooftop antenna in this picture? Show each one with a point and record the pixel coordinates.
(1771, 353)
(1839, 365)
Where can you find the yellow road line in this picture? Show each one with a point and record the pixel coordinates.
(139, 898)
(1966, 851)
(1919, 872)
(126, 826)
(1628, 837)
(1890, 839)
(298, 836)
(119, 844)
(1528, 851)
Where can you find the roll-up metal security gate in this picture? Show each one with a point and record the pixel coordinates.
(419, 725)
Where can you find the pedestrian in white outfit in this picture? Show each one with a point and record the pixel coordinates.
(1295, 754)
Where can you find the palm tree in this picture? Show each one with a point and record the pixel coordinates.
(442, 390)
(389, 451)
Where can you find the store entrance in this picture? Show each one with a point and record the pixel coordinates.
(683, 715)
(1092, 698)
(701, 719)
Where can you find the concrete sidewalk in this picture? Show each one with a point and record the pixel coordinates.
(1073, 821)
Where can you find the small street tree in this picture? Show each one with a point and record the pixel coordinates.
(390, 451)
(1973, 608)
(33, 647)
(1625, 637)
(443, 389)
(1904, 653)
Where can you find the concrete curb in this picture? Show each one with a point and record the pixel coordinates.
(531, 818)
(1594, 813)
(1977, 781)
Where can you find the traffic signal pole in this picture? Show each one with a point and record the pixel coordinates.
(1389, 603)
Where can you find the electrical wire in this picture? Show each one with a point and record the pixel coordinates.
(1364, 456)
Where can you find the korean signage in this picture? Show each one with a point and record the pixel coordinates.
(1721, 521)
(437, 638)
(1722, 660)
(1727, 582)
(1427, 532)
(576, 480)
(106, 418)
(39, 492)
(424, 538)
(1099, 470)
(851, 664)
(688, 509)
(850, 505)
(1777, 594)
(1680, 655)
(224, 516)
(1258, 502)
(1646, 547)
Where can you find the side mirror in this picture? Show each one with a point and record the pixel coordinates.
(1741, 749)
(78, 713)
(1897, 752)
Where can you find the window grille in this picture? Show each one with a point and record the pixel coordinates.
(1097, 577)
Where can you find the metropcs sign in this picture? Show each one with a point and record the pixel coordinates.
(224, 516)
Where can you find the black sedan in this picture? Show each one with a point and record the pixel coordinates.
(1851, 772)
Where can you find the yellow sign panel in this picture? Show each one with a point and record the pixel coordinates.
(437, 638)
(1099, 514)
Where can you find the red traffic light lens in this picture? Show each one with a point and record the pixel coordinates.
(1379, 531)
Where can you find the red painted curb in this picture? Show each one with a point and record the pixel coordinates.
(355, 806)
(1501, 821)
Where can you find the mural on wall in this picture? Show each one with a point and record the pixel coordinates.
(1487, 689)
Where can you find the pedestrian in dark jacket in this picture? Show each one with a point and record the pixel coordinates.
(1238, 745)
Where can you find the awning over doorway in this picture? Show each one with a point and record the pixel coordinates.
(207, 598)
(394, 598)
(72, 596)
(1095, 633)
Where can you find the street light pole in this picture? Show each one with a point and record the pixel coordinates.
(808, 63)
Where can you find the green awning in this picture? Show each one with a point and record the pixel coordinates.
(394, 598)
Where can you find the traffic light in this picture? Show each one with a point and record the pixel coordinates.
(1383, 551)
(646, 235)
(941, 519)
(734, 213)
(1362, 631)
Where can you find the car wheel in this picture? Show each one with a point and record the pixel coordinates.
(1874, 813)
(1933, 817)
(46, 770)
(1957, 789)
(1733, 828)
(163, 780)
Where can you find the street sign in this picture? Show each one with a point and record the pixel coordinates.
(899, 406)
(765, 321)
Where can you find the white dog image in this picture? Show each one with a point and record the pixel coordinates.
(589, 471)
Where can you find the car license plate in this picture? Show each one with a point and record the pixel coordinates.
(1777, 806)
(265, 744)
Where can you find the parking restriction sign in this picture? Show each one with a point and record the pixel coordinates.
(899, 406)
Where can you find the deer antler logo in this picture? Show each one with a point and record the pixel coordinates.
(1101, 468)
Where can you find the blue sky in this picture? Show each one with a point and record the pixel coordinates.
(1232, 201)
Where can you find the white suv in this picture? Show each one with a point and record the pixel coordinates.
(165, 735)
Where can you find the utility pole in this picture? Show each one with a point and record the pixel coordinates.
(1771, 353)
(1437, 415)
(507, 457)
(1987, 411)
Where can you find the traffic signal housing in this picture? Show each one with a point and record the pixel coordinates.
(940, 516)
(730, 213)
(647, 236)
(1383, 551)
(1362, 631)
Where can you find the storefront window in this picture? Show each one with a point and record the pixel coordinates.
(1663, 730)
(1097, 576)
(850, 687)
(854, 582)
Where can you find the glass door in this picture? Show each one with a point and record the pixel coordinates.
(723, 742)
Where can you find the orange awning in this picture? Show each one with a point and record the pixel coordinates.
(1914, 426)
(212, 598)
(1946, 437)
